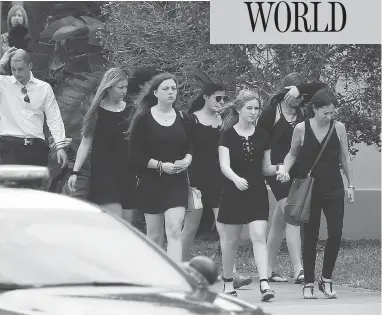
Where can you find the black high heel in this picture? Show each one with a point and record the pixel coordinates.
(232, 293)
(266, 294)
(322, 287)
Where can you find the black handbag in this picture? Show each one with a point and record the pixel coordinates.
(297, 206)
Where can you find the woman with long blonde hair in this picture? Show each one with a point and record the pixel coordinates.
(244, 155)
(112, 178)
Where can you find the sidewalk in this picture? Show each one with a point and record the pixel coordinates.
(289, 301)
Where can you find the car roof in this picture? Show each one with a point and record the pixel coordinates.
(20, 198)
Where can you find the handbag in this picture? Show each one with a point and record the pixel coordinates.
(297, 206)
(194, 199)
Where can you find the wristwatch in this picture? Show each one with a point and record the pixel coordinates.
(351, 186)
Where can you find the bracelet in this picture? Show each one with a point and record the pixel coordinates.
(159, 168)
(72, 172)
(351, 186)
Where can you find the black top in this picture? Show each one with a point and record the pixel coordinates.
(205, 167)
(109, 147)
(246, 155)
(281, 132)
(327, 174)
(150, 140)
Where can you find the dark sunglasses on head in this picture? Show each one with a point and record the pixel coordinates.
(219, 98)
(26, 97)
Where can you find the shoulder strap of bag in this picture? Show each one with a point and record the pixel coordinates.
(323, 147)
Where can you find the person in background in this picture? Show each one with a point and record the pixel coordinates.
(328, 189)
(204, 172)
(278, 119)
(244, 155)
(25, 102)
(16, 16)
(161, 148)
(112, 180)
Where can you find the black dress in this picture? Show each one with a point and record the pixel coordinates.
(281, 136)
(112, 178)
(149, 140)
(246, 158)
(204, 171)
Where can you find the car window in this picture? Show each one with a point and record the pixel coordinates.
(61, 246)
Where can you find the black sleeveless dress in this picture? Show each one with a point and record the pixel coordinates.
(113, 178)
(204, 171)
(327, 174)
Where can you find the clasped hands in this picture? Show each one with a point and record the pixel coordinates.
(176, 167)
(281, 175)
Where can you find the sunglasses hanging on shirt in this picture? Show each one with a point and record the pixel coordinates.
(26, 97)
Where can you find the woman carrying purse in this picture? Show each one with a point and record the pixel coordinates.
(328, 189)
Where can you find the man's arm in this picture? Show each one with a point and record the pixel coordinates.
(54, 119)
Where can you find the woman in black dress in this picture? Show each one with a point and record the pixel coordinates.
(244, 154)
(204, 172)
(278, 119)
(112, 181)
(328, 189)
(160, 147)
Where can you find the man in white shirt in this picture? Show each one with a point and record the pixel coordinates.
(24, 102)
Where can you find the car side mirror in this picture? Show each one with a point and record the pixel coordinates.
(205, 267)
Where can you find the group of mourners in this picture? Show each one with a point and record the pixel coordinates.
(146, 154)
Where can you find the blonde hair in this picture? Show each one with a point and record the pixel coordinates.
(230, 111)
(109, 79)
(12, 12)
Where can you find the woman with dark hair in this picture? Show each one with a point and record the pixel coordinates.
(160, 147)
(204, 171)
(111, 182)
(328, 189)
(278, 120)
(244, 155)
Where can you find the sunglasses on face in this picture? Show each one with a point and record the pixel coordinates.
(219, 98)
(26, 97)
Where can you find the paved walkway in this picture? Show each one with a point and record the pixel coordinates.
(289, 301)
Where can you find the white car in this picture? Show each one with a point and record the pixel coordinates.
(61, 255)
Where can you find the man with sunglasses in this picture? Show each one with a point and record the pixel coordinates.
(24, 103)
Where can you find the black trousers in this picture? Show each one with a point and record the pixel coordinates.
(333, 209)
(17, 153)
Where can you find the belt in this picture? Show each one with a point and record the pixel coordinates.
(23, 141)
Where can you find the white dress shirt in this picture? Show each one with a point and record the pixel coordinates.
(25, 120)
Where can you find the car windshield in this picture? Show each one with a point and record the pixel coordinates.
(49, 247)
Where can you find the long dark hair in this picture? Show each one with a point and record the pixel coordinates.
(292, 79)
(146, 98)
(209, 87)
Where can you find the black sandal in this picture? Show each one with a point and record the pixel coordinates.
(266, 294)
(322, 286)
(232, 293)
(300, 278)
